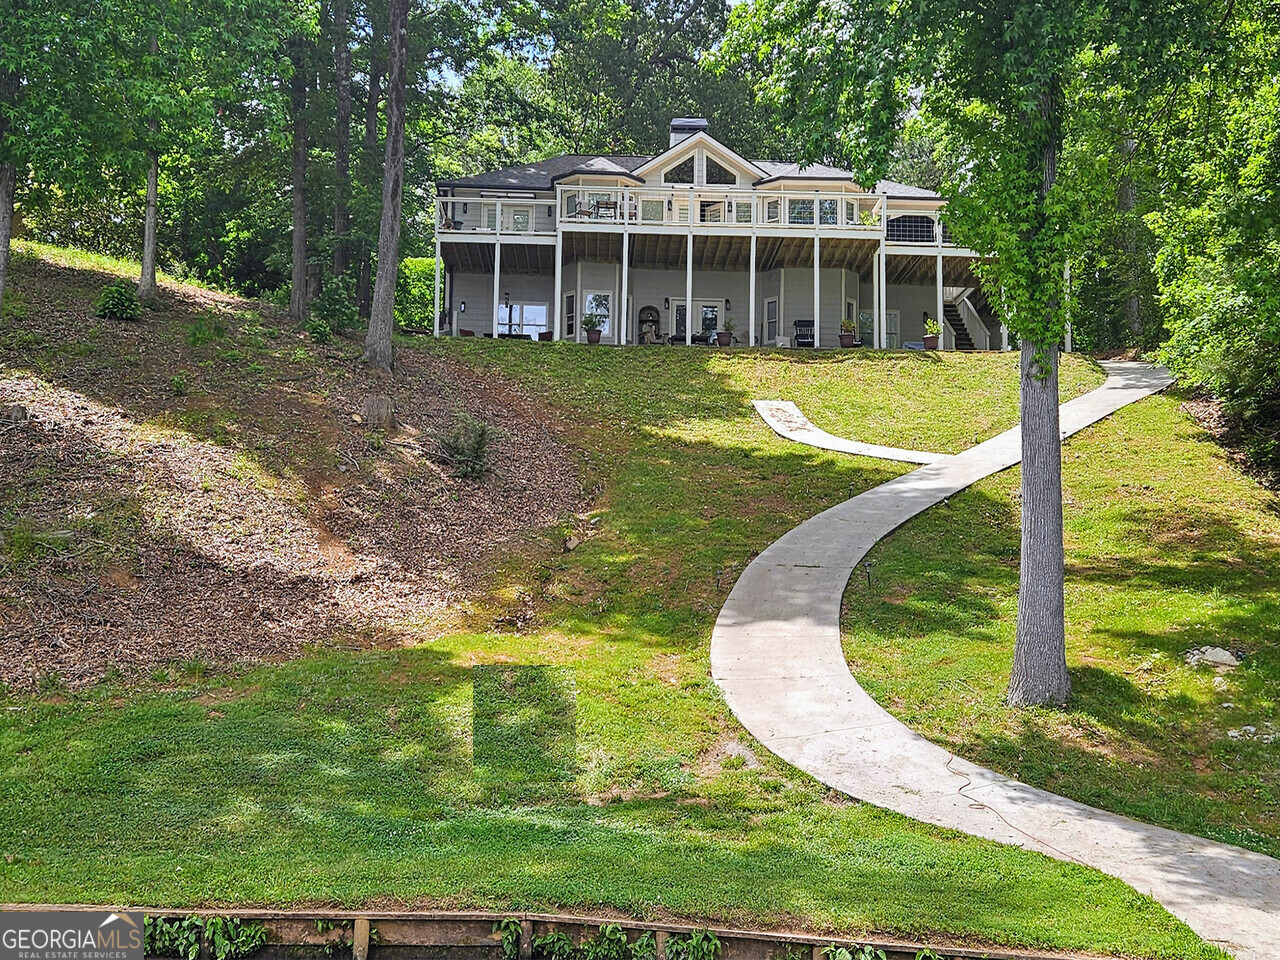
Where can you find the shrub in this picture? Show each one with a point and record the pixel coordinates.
(468, 446)
(179, 384)
(415, 292)
(119, 301)
(205, 329)
(332, 311)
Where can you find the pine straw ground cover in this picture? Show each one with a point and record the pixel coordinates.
(344, 772)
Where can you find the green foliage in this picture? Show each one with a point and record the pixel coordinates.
(333, 311)
(509, 928)
(698, 945)
(118, 301)
(179, 384)
(556, 945)
(644, 947)
(13, 308)
(415, 292)
(609, 943)
(228, 938)
(205, 329)
(468, 445)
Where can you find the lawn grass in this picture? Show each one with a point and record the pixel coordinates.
(1169, 548)
(346, 776)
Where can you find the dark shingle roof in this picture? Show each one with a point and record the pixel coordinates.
(543, 174)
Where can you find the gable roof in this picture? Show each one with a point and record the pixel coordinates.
(706, 141)
(544, 174)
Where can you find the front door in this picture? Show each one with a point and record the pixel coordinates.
(891, 318)
(708, 314)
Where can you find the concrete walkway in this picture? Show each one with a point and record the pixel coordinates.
(776, 654)
(786, 420)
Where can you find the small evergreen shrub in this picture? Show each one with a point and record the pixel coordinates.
(205, 329)
(468, 447)
(119, 301)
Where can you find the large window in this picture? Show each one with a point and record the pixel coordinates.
(680, 173)
(522, 319)
(771, 319)
(600, 304)
(717, 173)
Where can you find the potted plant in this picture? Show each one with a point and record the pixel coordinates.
(592, 322)
(724, 336)
(849, 332)
(932, 329)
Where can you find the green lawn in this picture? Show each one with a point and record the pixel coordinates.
(346, 775)
(1169, 548)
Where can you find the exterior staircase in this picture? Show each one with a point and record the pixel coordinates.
(963, 340)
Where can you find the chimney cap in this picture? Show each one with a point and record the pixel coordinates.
(688, 124)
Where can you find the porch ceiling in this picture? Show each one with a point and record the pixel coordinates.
(909, 269)
(517, 258)
(668, 251)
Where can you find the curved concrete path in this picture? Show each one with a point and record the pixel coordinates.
(776, 655)
(786, 420)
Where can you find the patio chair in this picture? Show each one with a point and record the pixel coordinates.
(803, 333)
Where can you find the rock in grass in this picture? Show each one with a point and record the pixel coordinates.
(1215, 657)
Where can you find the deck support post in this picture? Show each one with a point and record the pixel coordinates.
(1004, 337)
(688, 290)
(942, 323)
(497, 279)
(817, 293)
(878, 287)
(751, 294)
(437, 280)
(623, 312)
(557, 308)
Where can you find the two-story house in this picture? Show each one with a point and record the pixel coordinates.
(778, 253)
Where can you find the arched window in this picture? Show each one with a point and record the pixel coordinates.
(680, 173)
(719, 174)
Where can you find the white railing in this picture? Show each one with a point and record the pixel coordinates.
(978, 331)
(714, 208)
(515, 217)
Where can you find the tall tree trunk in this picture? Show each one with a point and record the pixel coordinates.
(1126, 203)
(147, 288)
(342, 139)
(298, 300)
(1040, 650)
(8, 187)
(364, 283)
(1039, 676)
(377, 345)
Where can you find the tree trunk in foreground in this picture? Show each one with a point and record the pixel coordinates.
(8, 187)
(342, 139)
(298, 108)
(1040, 675)
(364, 282)
(378, 352)
(147, 288)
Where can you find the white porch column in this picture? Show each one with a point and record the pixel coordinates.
(625, 313)
(578, 306)
(1004, 337)
(557, 308)
(751, 294)
(497, 277)
(817, 290)
(878, 287)
(942, 323)
(436, 282)
(1066, 284)
(688, 289)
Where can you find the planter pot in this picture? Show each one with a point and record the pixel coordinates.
(724, 338)
(593, 336)
(931, 343)
(848, 339)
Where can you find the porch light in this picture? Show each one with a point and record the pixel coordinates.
(464, 208)
(669, 205)
(666, 301)
(506, 300)
(727, 308)
(462, 306)
(551, 211)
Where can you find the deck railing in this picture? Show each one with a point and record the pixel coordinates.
(703, 209)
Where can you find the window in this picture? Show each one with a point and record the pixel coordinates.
(680, 173)
(719, 174)
(490, 216)
(651, 211)
(771, 319)
(600, 304)
(570, 204)
(570, 313)
(522, 319)
(773, 210)
(828, 212)
(851, 211)
(799, 211)
(519, 220)
(711, 211)
(742, 211)
(866, 327)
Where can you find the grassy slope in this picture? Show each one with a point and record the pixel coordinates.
(1169, 548)
(346, 776)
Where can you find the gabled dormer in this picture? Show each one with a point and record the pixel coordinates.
(697, 159)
